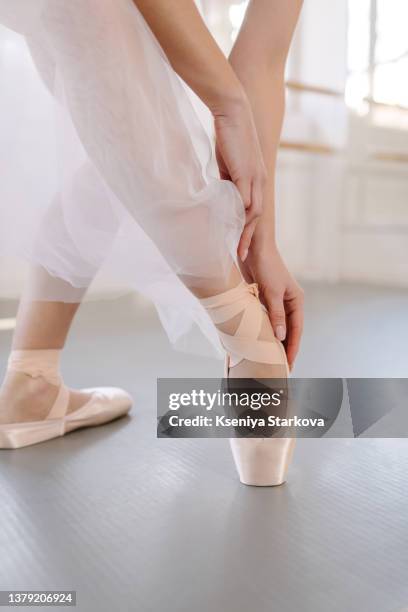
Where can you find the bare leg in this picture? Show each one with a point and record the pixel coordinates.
(43, 325)
(40, 326)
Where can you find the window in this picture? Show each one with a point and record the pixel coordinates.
(378, 60)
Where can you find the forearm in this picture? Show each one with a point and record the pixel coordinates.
(258, 58)
(192, 51)
(266, 93)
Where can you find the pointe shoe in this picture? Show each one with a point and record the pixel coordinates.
(105, 404)
(261, 462)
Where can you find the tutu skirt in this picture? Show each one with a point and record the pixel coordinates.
(107, 169)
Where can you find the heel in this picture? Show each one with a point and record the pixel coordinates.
(262, 462)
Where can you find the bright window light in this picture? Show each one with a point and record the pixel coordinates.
(377, 53)
(236, 16)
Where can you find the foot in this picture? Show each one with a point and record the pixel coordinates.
(255, 369)
(26, 399)
(253, 352)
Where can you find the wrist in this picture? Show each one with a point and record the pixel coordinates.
(228, 101)
(263, 241)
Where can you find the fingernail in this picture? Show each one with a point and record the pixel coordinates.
(280, 332)
(244, 255)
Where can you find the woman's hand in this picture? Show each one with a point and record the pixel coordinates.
(197, 59)
(279, 292)
(240, 160)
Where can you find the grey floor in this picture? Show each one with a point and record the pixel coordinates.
(133, 523)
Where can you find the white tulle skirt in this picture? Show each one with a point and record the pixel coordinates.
(107, 169)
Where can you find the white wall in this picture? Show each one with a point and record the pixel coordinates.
(342, 217)
(310, 187)
(374, 232)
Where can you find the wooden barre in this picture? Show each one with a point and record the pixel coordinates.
(308, 147)
(322, 149)
(315, 89)
(401, 158)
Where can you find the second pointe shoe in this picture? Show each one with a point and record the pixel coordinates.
(105, 403)
(259, 461)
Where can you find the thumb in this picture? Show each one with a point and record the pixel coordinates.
(276, 311)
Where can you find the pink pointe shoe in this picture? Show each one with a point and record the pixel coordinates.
(262, 462)
(104, 405)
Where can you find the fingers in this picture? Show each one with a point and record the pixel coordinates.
(295, 319)
(252, 196)
(277, 315)
(257, 194)
(286, 317)
(245, 240)
(223, 170)
(244, 188)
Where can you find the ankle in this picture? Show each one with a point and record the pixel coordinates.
(25, 399)
(19, 386)
(246, 333)
(37, 364)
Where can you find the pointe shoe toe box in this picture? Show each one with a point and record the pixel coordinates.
(262, 462)
(105, 404)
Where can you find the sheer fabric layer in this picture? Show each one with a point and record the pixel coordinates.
(109, 172)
